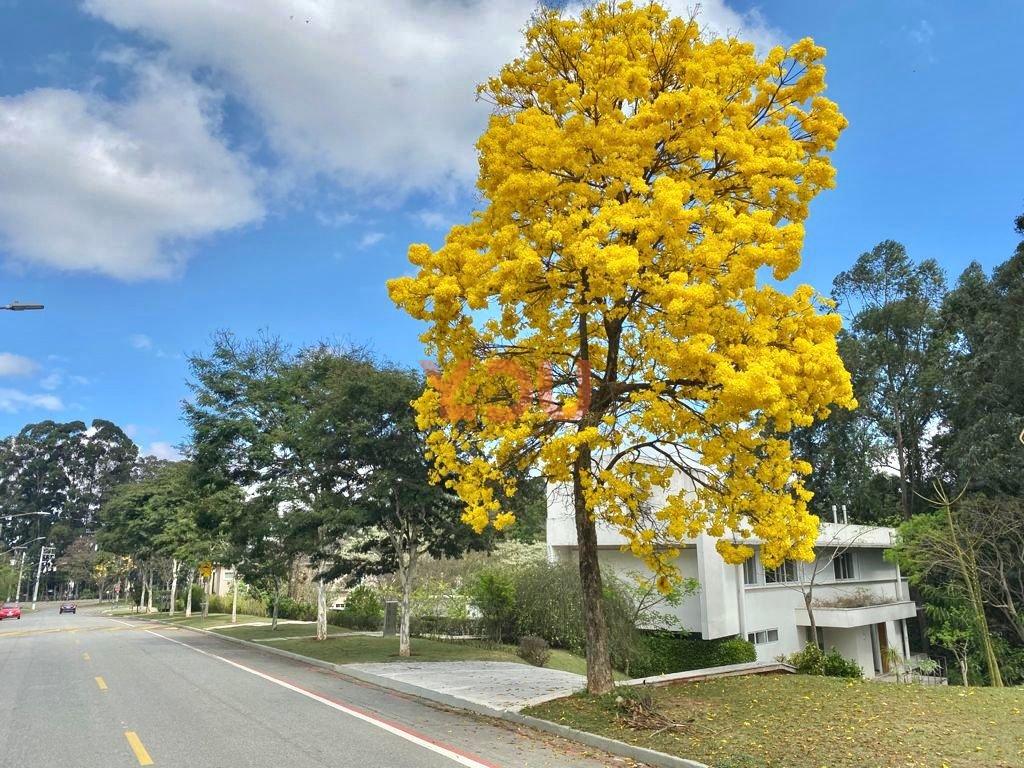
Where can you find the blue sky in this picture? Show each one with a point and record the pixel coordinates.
(170, 169)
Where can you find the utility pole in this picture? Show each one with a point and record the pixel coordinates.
(21, 567)
(45, 553)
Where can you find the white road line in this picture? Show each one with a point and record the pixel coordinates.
(423, 741)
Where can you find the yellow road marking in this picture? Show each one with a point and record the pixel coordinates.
(30, 632)
(101, 683)
(86, 657)
(140, 751)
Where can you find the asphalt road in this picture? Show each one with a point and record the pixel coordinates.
(90, 691)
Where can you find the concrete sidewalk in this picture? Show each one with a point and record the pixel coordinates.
(501, 685)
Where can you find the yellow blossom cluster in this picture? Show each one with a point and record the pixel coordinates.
(605, 316)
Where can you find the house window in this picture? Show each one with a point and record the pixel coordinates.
(750, 570)
(843, 566)
(784, 574)
(764, 636)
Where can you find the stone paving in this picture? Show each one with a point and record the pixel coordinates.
(502, 685)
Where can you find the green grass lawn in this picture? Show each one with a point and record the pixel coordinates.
(364, 648)
(797, 721)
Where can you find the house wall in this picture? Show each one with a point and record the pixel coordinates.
(725, 606)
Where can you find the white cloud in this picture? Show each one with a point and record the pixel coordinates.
(433, 219)
(162, 450)
(370, 239)
(51, 381)
(119, 188)
(140, 341)
(15, 401)
(16, 365)
(380, 96)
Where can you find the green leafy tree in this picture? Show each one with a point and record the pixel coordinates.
(382, 475)
(893, 340)
(983, 407)
(65, 472)
(846, 452)
(946, 550)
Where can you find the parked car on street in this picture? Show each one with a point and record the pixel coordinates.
(10, 611)
(69, 608)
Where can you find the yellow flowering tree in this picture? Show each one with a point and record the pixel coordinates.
(601, 317)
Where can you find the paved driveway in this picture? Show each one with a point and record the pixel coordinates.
(496, 684)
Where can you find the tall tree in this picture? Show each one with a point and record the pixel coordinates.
(849, 456)
(893, 305)
(983, 409)
(65, 471)
(365, 419)
(636, 177)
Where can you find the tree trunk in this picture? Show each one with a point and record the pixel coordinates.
(142, 590)
(321, 610)
(206, 596)
(902, 459)
(404, 641)
(174, 586)
(277, 594)
(599, 664)
(808, 600)
(969, 573)
(234, 596)
(149, 595)
(188, 592)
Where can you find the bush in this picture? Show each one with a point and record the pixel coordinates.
(546, 601)
(453, 626)
(534, 650)
(493, 592)
(248, 606)
(364, 605)
(814, 661)
(358, 621)
(295, 610)
(666, 652)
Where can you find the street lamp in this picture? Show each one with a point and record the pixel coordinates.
(17, 306)
(23, 547)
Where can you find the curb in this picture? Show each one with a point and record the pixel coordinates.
(612, 746)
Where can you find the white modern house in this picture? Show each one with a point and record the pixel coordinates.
(860, 602)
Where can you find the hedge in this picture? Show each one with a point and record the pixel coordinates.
(665, 652)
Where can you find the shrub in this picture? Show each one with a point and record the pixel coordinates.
(358, 621)
(549, 604)
(666, 652)
(248, 606)
(493, 592)
(814, 661)
(364, 605)
(295, 610)
(534, 650)
(453, 626)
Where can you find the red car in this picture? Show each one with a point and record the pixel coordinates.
(69, 608)
(10, 611)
